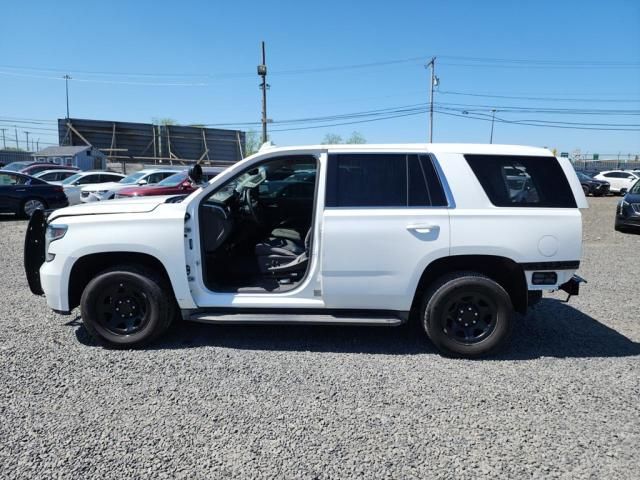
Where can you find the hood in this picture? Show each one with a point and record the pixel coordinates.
(94, 187)
(632, 198)
(140, 190)
(125, 205)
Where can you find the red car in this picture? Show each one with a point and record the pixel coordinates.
(177, 184)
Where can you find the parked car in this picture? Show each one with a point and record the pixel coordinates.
(22, 195)
(176, 184)
(591, 186)
(620, 180)
(37, 167)
(75, 183)
(107, 191)
(53, 176)
(16, 166)
(431, 232)
(628, 211)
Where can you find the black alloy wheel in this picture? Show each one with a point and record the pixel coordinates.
(469, 317)
(467, 314)
(126, 307)
(122, 308)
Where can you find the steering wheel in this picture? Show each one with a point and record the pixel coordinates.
(251, 201)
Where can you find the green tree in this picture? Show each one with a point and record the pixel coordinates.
(356, 138)
(164, 121)
(251, 143)
(332, 139)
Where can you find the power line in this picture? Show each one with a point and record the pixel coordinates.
(551, 99)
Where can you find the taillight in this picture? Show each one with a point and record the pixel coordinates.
(58, 189)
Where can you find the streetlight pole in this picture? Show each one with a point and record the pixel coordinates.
(493, 118)
(432, 66)
(262, 72)
(4, 142)
(26, 134)
(66, 87)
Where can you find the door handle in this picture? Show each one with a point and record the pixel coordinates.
(423, 228)
(21, 189)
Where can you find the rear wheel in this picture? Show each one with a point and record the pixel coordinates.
(30, 205)
(585, 189)
(467, 314)
(126, 307)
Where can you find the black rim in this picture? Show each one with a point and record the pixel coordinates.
(469, 317)
(122, 308)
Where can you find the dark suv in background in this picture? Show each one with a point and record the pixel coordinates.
(628, 211)
(591, 186)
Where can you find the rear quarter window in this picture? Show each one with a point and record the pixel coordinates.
(522, 181)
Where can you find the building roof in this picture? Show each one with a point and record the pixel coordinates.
(60, 151)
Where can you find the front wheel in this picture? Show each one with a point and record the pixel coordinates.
(30, 205)
(467, 314)
(126, 307)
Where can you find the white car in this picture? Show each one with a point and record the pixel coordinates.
(378, 234)
(107, 191)
(620, 180)
(74, 183)
(55, 176)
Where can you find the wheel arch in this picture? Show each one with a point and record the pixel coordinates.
(88, 266)
(508, 273)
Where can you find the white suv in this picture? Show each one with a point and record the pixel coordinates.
(107, 191)
(457, 237)
(620, 180)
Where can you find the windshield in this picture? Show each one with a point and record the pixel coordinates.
(584, 176)
(71, 179)
(133, 178)
(635, 189)
(15, 166)
(174, 180)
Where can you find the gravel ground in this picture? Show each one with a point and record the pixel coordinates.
(328, 402)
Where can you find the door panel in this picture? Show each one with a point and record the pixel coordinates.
(373, 258)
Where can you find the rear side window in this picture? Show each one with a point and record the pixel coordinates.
(522, 181)
(383, 180)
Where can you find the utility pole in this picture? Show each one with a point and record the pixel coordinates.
(27, 135)
(4, 142)
(262, 72)
(17, 144)
(66, 87)
(493, 118)
(432, 66)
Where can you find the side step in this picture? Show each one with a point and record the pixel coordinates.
(293, 318)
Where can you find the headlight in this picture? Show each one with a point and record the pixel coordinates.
(102, 192)
(54, 232)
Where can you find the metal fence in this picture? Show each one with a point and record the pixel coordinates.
(8, 156)
(600, 165)
(149, 143)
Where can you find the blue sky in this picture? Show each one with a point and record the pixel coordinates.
(173, 59)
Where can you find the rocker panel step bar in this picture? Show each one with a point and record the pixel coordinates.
(292, 318)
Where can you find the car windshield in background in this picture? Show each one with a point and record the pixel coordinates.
(133, 178)
(635, 189)
(71, 179)
(174, 180)
(16, 166)
(584, 176)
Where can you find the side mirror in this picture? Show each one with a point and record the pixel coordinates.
(142, 182)
(195, 173)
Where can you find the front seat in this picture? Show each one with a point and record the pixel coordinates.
(282, 257)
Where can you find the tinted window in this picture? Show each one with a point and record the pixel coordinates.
(105, 177)
(383, 180)
(522, 181)
(89, 179)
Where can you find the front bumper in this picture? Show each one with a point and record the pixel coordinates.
(627, 216)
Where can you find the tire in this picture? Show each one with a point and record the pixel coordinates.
(125, 307)
(585, 189)
(29, 205)
(451, 308)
